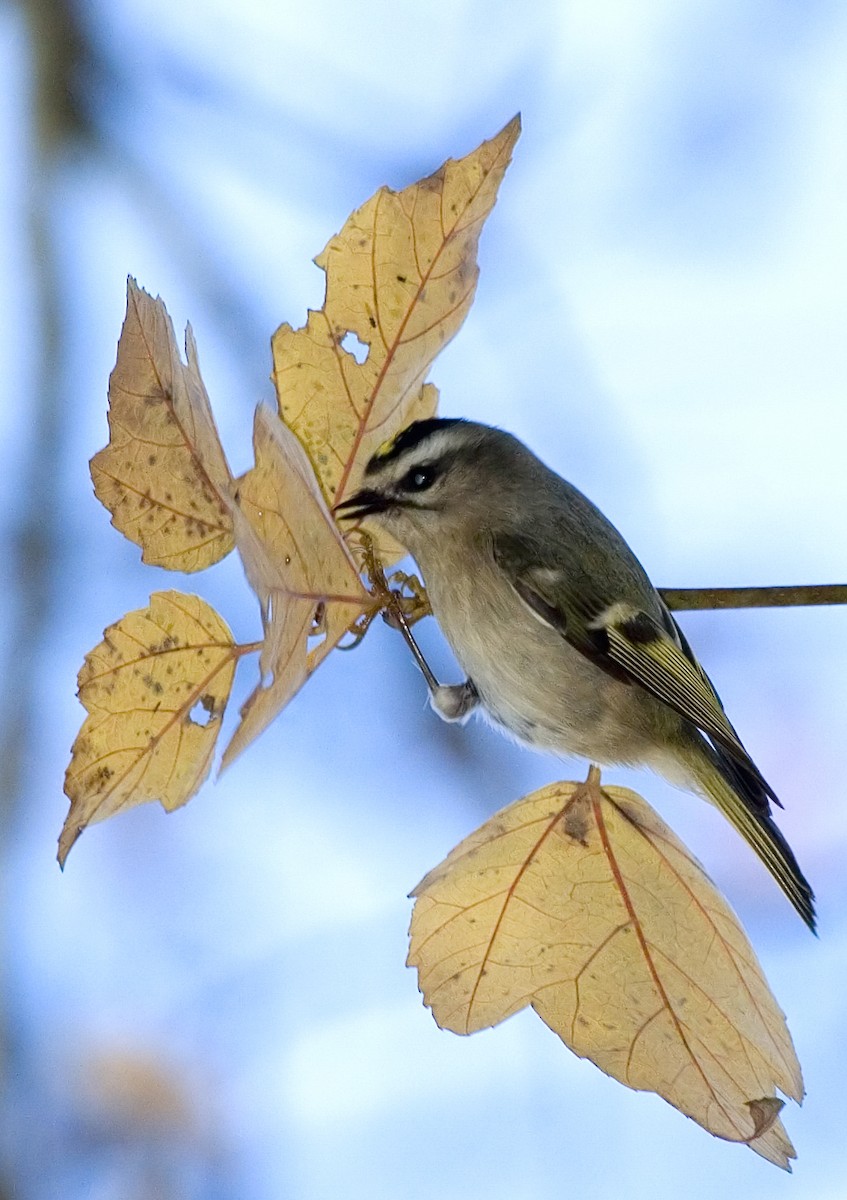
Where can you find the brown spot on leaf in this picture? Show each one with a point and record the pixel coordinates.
(576, 819)
(153, 685)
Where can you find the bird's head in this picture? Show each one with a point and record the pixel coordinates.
(437, 478)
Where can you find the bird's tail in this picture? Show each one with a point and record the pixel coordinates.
(739, 794)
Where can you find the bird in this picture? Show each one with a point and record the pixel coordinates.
(566, 644)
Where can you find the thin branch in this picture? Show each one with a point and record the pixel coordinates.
(754, 597)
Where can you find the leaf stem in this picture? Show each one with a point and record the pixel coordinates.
(247, 648)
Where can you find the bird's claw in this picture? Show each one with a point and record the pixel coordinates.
(454, 701)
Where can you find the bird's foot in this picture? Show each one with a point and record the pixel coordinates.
(454, 701)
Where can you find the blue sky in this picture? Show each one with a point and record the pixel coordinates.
(217, 998)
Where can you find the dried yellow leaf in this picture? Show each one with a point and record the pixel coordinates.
(163, 475)
(299, 566)
(155, 689)
(400, 278)
(579, 901)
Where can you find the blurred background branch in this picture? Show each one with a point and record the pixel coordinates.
(57, 53)
(57, 59)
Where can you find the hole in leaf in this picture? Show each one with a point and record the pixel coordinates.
(317, 631)
(315, 639)
(203, 712)
(355, 346)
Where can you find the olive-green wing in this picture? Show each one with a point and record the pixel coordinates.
(625, 640)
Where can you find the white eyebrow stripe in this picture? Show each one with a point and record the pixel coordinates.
(431, 449)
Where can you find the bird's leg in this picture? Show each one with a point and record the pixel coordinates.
(452, 701)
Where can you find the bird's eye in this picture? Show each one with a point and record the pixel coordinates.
(418, 479)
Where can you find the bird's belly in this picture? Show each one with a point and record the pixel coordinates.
(543, 691)
(576, 709)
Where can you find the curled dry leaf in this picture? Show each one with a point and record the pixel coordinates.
(579, 901)
(400, 278)
(299, 566)
(155, 689)
(163, 475)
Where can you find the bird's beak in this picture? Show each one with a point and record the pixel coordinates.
(363, 504)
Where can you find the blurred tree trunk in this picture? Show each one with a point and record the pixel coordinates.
(56, 56)
(56, 60)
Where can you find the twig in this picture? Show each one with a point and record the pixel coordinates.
(392, 607)
(754, 597)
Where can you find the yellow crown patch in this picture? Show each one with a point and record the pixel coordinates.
(384, 448)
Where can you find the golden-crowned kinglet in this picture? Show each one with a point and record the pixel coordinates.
(565, 642)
